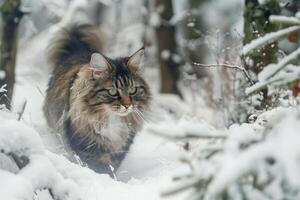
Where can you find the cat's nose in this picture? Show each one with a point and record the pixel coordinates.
(126, 102)
(126, 106)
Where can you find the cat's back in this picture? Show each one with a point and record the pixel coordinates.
(68, 52)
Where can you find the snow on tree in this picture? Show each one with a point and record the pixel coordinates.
(282, 73)
(247, 161)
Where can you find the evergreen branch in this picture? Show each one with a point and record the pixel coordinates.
(268, 39)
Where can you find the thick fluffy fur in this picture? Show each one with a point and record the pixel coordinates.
(79, 102)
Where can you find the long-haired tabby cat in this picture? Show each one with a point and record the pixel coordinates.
(99, 101)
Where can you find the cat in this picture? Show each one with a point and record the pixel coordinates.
(96, 101)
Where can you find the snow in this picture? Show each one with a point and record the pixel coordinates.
(270, 71)
(165, 54)
(286, 140)
(185, 127)
(39, 173)
(2, 89)
(267, 149)
(268, 39)
(284, 20)
(2, 74)
(49, 170)
(14, 187)
(155, 19)
(262, 2)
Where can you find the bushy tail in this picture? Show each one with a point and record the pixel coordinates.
(74, 45)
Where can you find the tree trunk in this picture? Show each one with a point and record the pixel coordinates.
(167, 48)
(195, 48)
(256, 24)
(10, 16)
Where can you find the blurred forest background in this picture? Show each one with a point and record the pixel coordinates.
(229, 62)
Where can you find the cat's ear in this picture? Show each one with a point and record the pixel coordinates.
(99, 65)
(136, 60)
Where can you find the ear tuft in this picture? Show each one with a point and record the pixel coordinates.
(99, 65)
(136, 60)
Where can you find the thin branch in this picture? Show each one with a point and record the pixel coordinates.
(187, 136)
(283, 63)
(227, 66)
(21, 112)
(270, 78)
(185, 185)
(21, 161)
(268, 39)
(279, 19)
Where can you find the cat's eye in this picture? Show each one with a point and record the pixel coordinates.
(132, 90)
(113, 91)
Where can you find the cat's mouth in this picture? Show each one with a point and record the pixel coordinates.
(123, 110)
(123, 113)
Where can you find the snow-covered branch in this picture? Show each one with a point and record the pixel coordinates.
(257, 160)
(279, 19)
(36, 172)
(184, 129)
(270, 71)
(268, 39)
(267, 75)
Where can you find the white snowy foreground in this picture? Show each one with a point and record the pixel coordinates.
(152, 162)
(67, 180)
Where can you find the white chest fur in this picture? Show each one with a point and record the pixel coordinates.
(114, 129)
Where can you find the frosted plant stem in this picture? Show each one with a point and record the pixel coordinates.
(268, 39)
(187, 136)
(184, 185)
(227, 66)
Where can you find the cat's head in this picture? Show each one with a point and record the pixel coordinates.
(117, 85)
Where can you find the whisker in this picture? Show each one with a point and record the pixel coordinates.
(138, 115)
(142, 115)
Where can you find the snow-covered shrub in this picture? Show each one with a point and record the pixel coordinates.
(33, 170)
(248, 161)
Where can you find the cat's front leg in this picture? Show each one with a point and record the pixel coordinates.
(101, 165)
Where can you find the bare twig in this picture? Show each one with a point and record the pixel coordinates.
(188, 136)
(227, 66)
(21, 112)
(21, 161)
(181, 187)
